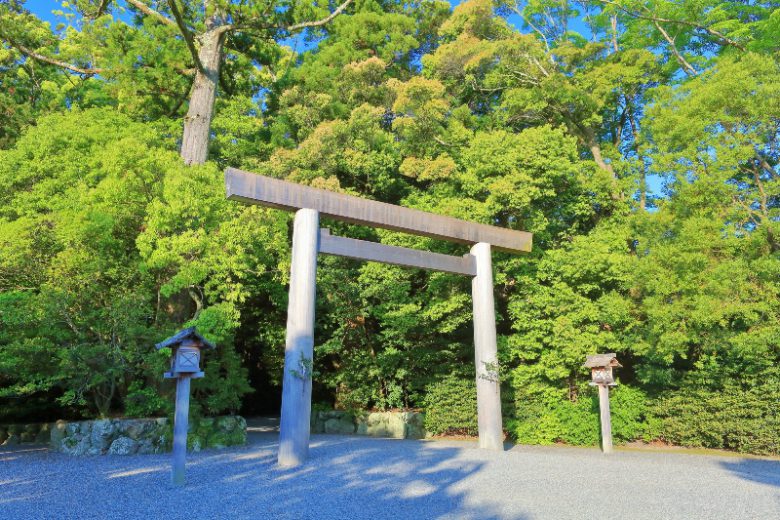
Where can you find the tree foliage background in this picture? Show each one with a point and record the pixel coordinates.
(639, 141)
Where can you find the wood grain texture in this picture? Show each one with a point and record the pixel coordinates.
(373, 252)
(257, 189)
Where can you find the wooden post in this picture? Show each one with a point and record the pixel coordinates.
(606, 421)
(180, 422)
(299, 347)
(491, 434)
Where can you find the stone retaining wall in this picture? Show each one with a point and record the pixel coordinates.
(126, 436)
(37, 433)
(111, 436)
(397, 425)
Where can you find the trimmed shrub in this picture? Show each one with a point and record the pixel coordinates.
(747, 421)
(550, 420)
(451, 407)
(539, 422)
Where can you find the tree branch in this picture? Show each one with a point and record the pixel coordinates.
(613, 23)
(764, 199)
(101, 8)
(533, 27)
(318, 23)
(197, 298)
(232, 27)
(750, 211)
(441, 142)
(766, 166)
(687, 67)
(51, 61)
(186, 34)
(712, 32)
(248, 27)
(141, 6)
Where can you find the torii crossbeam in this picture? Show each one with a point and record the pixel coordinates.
(308, 240)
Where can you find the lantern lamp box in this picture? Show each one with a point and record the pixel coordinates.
(601, 366)
(185, 359)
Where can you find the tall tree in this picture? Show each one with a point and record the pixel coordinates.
(209, 30)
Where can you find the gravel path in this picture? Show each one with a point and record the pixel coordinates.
(358, 477)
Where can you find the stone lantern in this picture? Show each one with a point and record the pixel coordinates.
(186, 346)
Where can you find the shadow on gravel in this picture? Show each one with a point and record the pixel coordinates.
(356, 478)
(9, 453)
(345, 477)
(755, 470)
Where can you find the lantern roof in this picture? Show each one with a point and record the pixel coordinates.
(189, 335)
(602, 360)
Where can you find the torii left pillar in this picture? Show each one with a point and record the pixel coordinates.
(299, 346)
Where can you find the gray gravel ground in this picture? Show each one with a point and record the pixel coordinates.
(358, 477)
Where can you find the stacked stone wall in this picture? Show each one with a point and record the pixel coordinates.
(396, 425)
(125, 436)
(131, 436)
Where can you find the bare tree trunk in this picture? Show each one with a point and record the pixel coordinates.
(763, 201)
(205, 49)
(197, 122)
(613, 21)
(587, 136)
(595, 150)
(643, 179)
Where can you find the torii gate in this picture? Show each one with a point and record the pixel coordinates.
(308, 240)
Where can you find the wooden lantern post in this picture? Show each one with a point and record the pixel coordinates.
(186, 346)
(601, 366)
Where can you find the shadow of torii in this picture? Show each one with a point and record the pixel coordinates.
(763, 471)
(345, 477)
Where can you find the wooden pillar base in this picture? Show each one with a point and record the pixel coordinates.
(180, 424)
(606, 419)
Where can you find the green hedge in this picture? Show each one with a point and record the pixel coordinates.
(734, 418)
(451, 407)
(747, 421)
(550, 420)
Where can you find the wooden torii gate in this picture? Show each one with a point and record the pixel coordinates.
(309, 240)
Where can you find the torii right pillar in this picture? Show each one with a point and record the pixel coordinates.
(491, 433)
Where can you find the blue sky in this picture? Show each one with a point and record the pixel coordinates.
(43, 10)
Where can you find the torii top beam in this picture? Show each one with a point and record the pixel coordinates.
(266, 191)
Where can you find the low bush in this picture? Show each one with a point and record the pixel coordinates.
(549, 419)
(451, 407)
(747, 421)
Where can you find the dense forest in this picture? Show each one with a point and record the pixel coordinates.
(639, 140)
